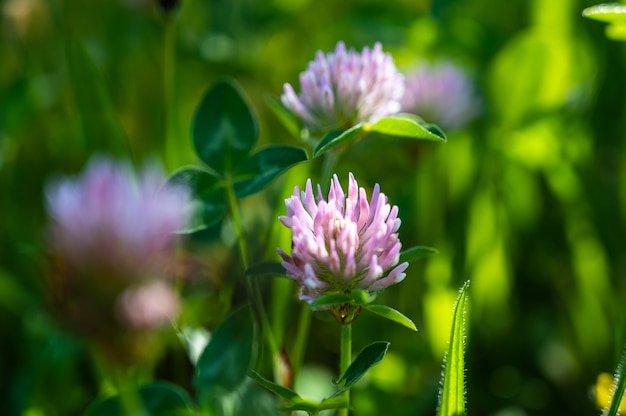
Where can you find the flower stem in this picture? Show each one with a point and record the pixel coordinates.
(301, 339)
(345, 359)
(252, 286)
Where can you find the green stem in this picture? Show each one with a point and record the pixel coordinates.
(299, 346)
(236, 218)
(252, 286)
(345, 359)
(129, 397)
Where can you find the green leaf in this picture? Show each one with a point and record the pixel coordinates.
(295, 402)
(415, 253)
(335, 138)
(267, 268)
(209, 203)
(608, 12)
(258, 170)
(613, 13)
(101, 126)
(331, 299)
(224, 363)
(362, 297)
(290, 122)
(391, 314)
(619, 387)
(314, 408)
(452, 393)
(367, 358)
(282, 391)
(406, 125)
(224, 129)
(158, 399)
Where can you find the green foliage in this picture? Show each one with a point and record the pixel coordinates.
(156, 399)
(416, 253)
(102, 130)
(618, 389)
(224, 130)
(260, 168)
(391, 314)
(224, 133)
(294, 401)
(403, 125)
(209, 203)
(225, 361)
(452, 394)
(267, 268)
(367, 358)
(614, 14)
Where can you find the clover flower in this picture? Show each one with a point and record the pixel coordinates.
(344, 87)
(110, 231)
(343, 243)
(441, 93)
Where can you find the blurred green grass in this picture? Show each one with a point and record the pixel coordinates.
(528, 202)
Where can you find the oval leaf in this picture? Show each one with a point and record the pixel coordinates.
(335, 138)
(391, 314)
(367, 358)
(406, 125)
(224, 129)
(282, 391)
(224, 363)
(415, 253)
(209, 203)
(452, 393)
(258, 170)
(157, 399)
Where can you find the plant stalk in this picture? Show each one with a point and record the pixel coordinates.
(345, 359)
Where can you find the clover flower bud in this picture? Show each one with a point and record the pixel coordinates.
(345, 87)
(343, 243)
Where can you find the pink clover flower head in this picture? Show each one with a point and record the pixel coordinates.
(441, 93)
(343, 243)
(345, 87)
(108, 219)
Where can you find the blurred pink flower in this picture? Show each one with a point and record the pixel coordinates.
(147, 306)
(441, 93)
(344, 243)
(344, 87)
(108, 220)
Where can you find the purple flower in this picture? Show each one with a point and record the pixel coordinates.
(441, 93)
(344, 87)
(343, 243)
(108, 220)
